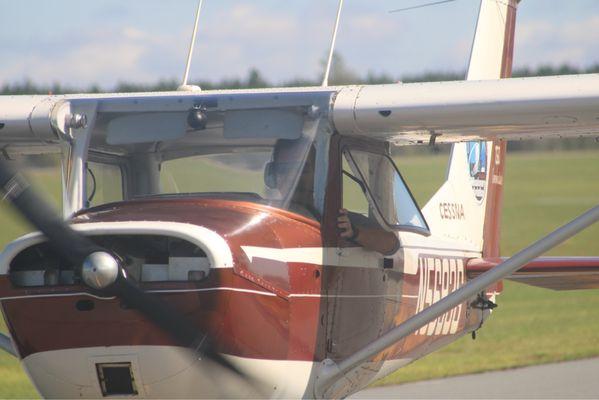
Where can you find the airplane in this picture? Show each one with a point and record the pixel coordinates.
(262, 243)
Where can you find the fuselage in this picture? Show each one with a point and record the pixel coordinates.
(285, 304)
(235, 223)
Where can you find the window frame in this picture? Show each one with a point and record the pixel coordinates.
(346, 149)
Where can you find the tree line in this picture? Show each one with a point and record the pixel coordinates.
(341, 74)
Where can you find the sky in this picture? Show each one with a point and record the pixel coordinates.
(79, 43)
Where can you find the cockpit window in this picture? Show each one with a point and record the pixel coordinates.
(104, 183)
(232, 173)
(268, 159)
(386, 190)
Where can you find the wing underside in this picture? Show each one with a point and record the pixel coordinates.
(508, 109)
(557, 273)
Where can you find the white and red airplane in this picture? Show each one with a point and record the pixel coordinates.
(229, 243)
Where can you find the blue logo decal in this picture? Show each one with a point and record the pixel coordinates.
(477, 166)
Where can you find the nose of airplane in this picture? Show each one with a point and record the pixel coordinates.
(78, 343)
(75, 342)
(134, 371)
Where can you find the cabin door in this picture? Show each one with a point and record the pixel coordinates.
(361, 285)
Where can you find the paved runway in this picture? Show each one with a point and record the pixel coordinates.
(568, 380)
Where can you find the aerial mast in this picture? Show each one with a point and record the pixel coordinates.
(325, 81)
(184, 86)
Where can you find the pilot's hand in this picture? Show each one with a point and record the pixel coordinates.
(345, 226)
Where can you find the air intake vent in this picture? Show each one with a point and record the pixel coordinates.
(116, 379)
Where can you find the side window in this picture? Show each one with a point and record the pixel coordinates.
(386, 190)
(354, 198)
(104, 183)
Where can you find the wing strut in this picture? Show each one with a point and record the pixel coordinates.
(331, 371)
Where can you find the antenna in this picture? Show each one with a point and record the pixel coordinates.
(421, 6)
(325, 81)
(184, 86)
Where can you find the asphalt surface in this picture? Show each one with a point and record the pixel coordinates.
(568, 380)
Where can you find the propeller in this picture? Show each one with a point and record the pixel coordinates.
(101, 270)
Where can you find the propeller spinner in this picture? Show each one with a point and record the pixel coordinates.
(100, 270)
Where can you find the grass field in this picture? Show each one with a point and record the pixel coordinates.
(531, 325)
(542, 191)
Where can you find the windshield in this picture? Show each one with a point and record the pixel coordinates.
(217, 173)
(264, 174)
(270, 161)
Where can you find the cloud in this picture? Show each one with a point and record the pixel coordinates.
(574, 42)
(281, 44)
(246, 36)
(370, 26)
(102, 57)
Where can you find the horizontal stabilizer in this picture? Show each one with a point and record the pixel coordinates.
(557, 273)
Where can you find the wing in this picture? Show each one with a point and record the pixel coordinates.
(507, 109)
(557, 273)
(456, 111)
(26, 125)
(42, 124)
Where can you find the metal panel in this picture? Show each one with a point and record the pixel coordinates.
(146, 127)
(508, 108)
(25, 125)
(263, 124)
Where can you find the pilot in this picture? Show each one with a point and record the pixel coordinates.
(365, 232)
(280, 172)
(353, 227)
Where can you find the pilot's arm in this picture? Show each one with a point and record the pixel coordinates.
(370, 236)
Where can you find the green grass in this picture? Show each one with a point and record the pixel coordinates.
(531, 326)
(543, 190)
(546, 190)
(14, 383)
(47, 183)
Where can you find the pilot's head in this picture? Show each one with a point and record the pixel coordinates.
(288, 158)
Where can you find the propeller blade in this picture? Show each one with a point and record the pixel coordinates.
(91, 258)
(168, 318)
(19, 192)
